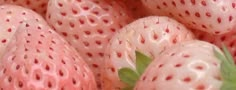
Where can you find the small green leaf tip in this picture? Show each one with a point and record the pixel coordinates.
(227, 68)
(129, 76)
(142, 61)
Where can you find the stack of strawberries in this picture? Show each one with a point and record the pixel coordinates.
(117, 44)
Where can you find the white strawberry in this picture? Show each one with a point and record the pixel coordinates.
(150, 35)
(37, 58)
(190, 65)
(11, 17)
(212, 16)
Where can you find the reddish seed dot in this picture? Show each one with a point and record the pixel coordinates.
(230, 18)
(98, 42)
(85, 8)
(158, 7)
(101, 54)
(86, 44)
(105, 21)
(113, 29)
(203, 3)
(60, 5)
(118, 54)
(89, 55)
(187, 79)
(113, 69)
(164, 3)
(187, 12)
(64, 34)
(208, 14)
(154, 78)
(59, 22)
(9, 30)
(178, 65)
(155, 37)
(219, 20)
(72, 25)
(197, 14)
(81, 21)
(76, 37)
(186, 56)
(167, 30)
(200, 87)
(87, 32)
(4, 41)
(63, 13)
(100, 31)
(199, 67)
(95, 65)
(74, 11)
(173, 3)
(193, 2)
(142, 40)
(169, 77)
(233, 5)
(182, 1)
(203, 26)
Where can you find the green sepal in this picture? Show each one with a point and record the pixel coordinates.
(128, 76)
(142, 61)
(228, 86)
(128, 88)
(227, 68)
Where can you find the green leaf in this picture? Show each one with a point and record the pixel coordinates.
(219, 55)
(228, 86)
(128, 76)
(142, 61)
(128, 88)
(227, 68)
(228, 55)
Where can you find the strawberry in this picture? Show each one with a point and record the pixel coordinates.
(228, 39)
(11, 17)
(136, 7)
(212, 16)
(88, 26)
(40, 6)
(37, 58)
(189, 65)
(150, 35)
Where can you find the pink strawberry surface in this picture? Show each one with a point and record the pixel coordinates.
(228, 39)
(186, 66)
(40, 6)
(37, 58)
(136, 8)
(150, 35)
(88, 26)
(213, 16)
(11, 17)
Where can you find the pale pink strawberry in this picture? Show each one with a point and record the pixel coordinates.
(213, 16)
(40, 6)
(11, 17)
(88, 26)
(189, 65)
(229, 39)
(37, 58)
(149, 35)
(136, 7)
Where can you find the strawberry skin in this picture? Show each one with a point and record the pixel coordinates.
(37, 58)
(228, 39)
(149, 35)
(11, 17)
(186, 66)
(88, 26)
(40, 6)
(212, 16)
(136, 7)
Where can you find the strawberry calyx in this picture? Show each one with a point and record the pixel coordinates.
(227, 68)
(130, 76)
